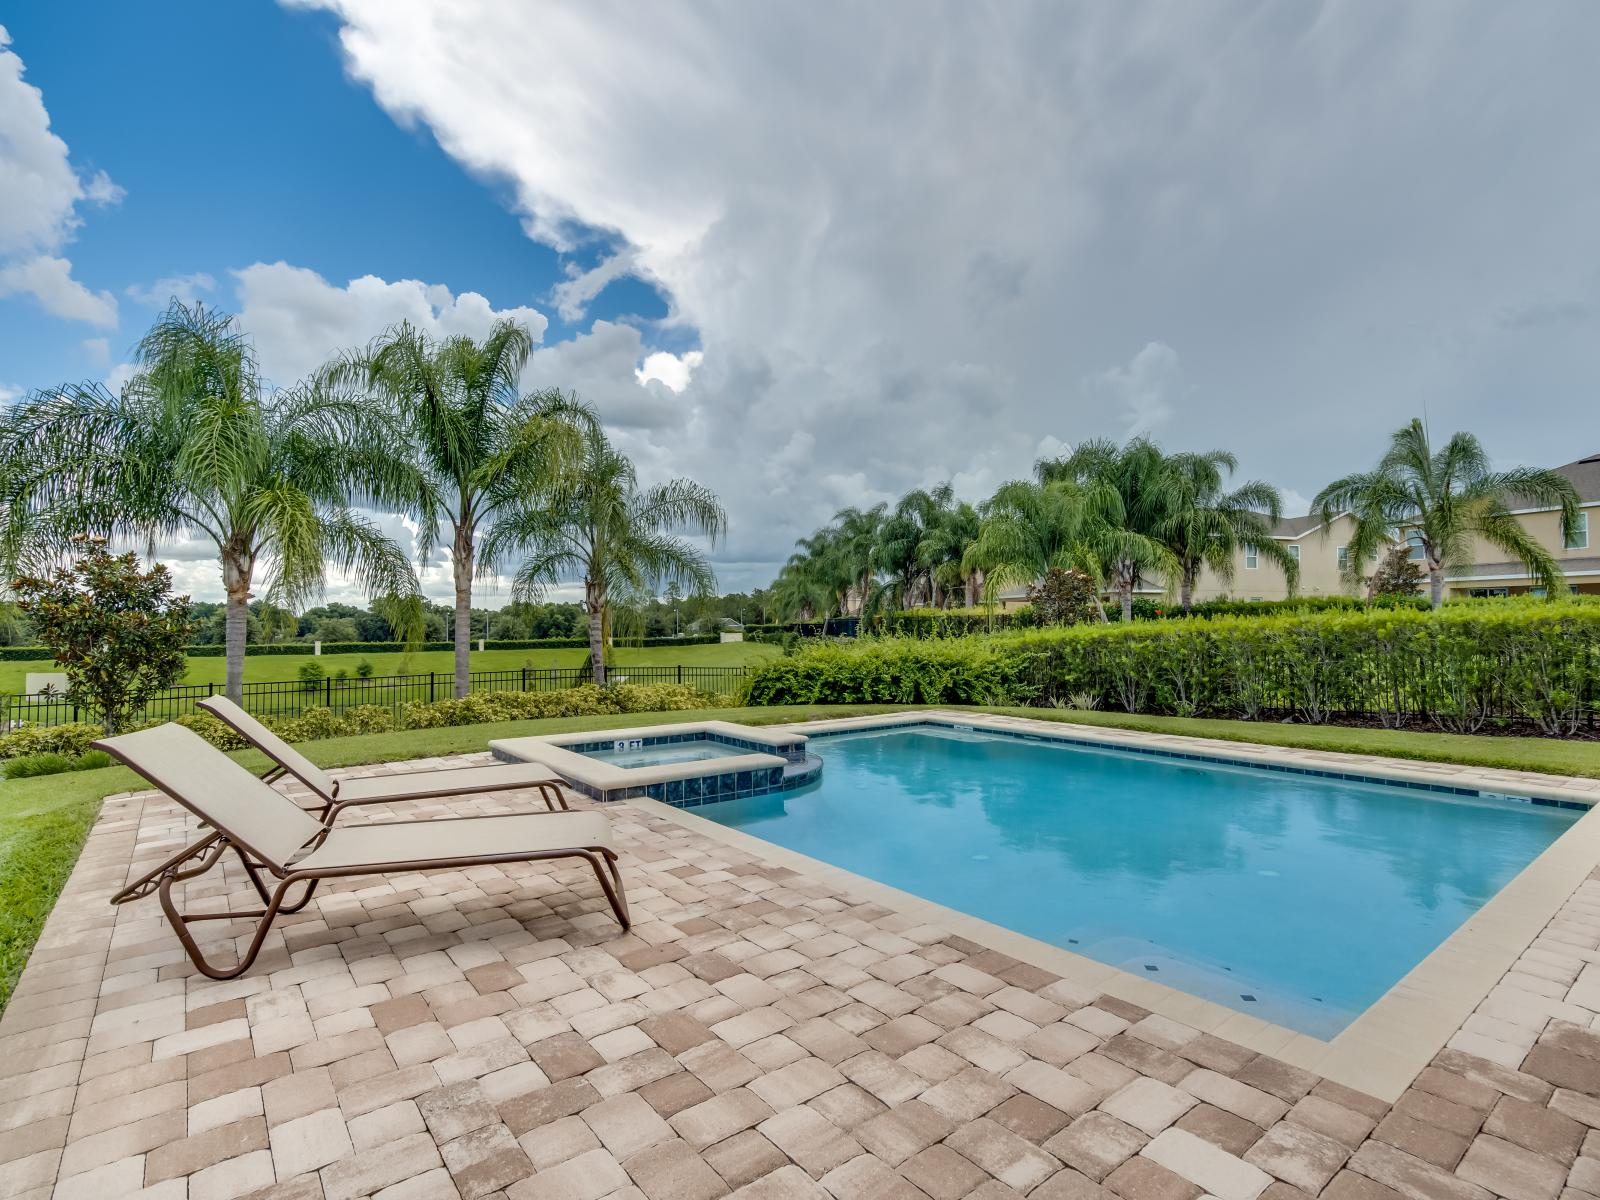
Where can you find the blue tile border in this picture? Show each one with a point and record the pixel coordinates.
(1210, 759)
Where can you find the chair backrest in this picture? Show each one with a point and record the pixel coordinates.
(270, 744)
(217, 790)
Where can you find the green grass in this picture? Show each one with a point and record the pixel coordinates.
(262, 668)
(43, 821)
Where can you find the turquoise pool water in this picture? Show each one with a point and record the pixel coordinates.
(667, 752)
(1296, 898)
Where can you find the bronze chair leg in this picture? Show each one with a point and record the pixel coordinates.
(180, 926)
(604, 865)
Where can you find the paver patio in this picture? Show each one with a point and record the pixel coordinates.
(489, 1032)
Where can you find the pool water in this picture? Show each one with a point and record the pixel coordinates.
(1298, 899)
(667, 752)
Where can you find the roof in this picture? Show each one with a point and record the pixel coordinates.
(1585, 476)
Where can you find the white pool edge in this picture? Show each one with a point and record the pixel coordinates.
(1384, 1048)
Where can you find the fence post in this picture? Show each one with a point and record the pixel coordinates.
(430, 687)
(680, 672)
(327, 693)
(524, 678)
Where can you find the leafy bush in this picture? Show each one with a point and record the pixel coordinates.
(1457, 668)
(53, 763)
(71, 740)
(30, 765)
(311, 676)
(117, 630)
(583, 701)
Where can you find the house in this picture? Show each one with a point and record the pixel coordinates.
(1321, 552)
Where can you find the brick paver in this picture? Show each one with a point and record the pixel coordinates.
(488, 1033)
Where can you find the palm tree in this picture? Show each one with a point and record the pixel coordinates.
(1444, 499)
(480, 449)
(1127, 494)
(854, 537)
(816, 580)
(596, 523)
(1028, 528)
(197, 444)
(943, 547)
(1207, 525)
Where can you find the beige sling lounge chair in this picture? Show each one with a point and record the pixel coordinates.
(382, 789)
(269, 832)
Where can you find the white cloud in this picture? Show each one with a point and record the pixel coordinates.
(298, 319)
(9, 392)
(573, 296)
(99, 189)
(42, 192)
(673, 370)
(1143, 391)
(915, 229)
(49, 281)
(98, 350)
(117, 378)
(185, 289)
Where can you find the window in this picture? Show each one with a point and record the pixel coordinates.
(1344, 558)
(1539, 592)
(1294, 552)
(1486, 593)
(1251, 559)
(1580, 534)
(1414, 540)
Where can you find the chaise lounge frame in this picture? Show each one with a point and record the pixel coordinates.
(269, 833)
(387, 789)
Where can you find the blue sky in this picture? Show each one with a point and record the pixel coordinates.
(237, 138)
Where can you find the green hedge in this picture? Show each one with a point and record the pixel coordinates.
(35, 653)
(1459, 669)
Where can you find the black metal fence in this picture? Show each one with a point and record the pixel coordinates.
(290, 698)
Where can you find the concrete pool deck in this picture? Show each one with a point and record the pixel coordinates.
(762, 1031)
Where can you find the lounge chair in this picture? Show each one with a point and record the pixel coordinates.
(268, 831)
(382, 789)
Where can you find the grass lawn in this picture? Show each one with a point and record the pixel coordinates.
(260, 668)
(43, 821)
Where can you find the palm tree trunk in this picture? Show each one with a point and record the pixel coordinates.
(461, 560)
(1125, 580)
(236, 570)
(974, 582)
(1186, 587)
(594, 606)
(1435, 582)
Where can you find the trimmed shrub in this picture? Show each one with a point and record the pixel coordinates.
(71, 740)
(1457, 669)
(51, 763)
(31, 765)
(583, 701)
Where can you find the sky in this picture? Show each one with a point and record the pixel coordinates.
(817, 255)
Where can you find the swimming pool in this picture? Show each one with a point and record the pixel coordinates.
(654, 754)
(1297, 898)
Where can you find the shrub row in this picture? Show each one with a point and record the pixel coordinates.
(33, 653)
(1458, 669)
(71, 741)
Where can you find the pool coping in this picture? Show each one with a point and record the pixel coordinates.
(599, 778)
(1389, 1043)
